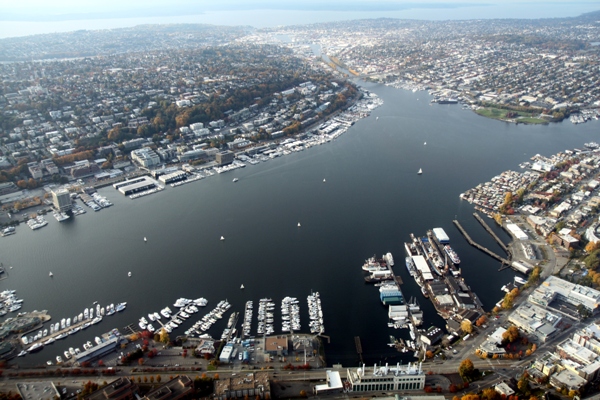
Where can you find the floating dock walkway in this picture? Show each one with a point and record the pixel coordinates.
(358, 348)
(480, 247)
(491, 232)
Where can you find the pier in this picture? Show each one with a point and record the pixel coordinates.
(358, 348)
(480, 247)
(491, 232)
(325, 336)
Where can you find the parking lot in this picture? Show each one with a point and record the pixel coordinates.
(37, 390)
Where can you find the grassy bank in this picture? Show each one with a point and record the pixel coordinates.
(524, 117)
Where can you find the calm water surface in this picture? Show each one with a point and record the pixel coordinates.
(372, 200)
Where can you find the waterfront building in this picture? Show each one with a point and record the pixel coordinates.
(564, 297)
(276, 345)
(398, 312)
(135, 185)
(61, 198)
(441, 235)
(226, 352)
(192, 155)
(163, 171)
(400, 377)
(422, 267)
(432, 336)
(173, 177)
(224, 157)
(391, 295)
(98, 351)
(516, 231)
(146, 157)
(120, 389)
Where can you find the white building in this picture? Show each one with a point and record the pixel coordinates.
(556, 288)
(145, 157)
(535, 320)
(400, 377)
(61, 199)
(333, 383)
(226, 353)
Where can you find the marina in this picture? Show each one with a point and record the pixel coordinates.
(446, 289)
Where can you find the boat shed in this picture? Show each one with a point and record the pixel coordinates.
(421, 265)
(522, 267)
(136, 185)
(390, 295)
(517, 232)
(441, 236)
(226, 353)
(98, 351)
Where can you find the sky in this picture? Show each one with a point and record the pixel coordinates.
(44, 10)
(30, 17)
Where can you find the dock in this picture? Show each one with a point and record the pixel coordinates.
(492, 233)
(358, 348)
(326, 337)
(480, 247)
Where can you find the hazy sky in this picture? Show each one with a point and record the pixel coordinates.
(30, 17)
(39, 8)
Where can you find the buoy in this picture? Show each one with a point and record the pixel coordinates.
(222, 238)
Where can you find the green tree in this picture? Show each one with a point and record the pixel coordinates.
(520, 195)
(466, 326)
(466, 369)
(490, 394)
(523, 384)
(511, 335)
(498, 218)
(592, 246)
(164, 336)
